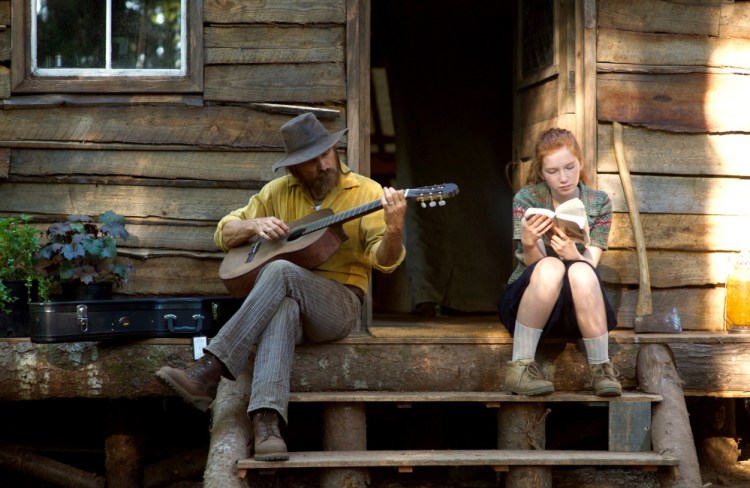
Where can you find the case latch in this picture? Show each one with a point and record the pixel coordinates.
(82, 317)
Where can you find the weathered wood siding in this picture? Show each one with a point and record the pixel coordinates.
(675, 75)
(174, 164)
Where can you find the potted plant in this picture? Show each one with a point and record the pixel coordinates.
(81, 256)
(20, 279)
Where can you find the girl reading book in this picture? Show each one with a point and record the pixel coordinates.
(555, 289)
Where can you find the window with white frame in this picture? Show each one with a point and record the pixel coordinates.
(86, 44)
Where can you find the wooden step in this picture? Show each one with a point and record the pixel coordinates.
(489, 397)
(499, 460)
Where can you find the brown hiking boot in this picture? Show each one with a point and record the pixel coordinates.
(604, 379)
(526, 377)
(269, 446)
(197, 384)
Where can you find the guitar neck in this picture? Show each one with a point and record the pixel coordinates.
(344, 216)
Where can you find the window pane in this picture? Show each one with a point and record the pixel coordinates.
(71, 34)
(146, 34)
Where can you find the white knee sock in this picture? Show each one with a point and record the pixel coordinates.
(597, 349)
(525, 340)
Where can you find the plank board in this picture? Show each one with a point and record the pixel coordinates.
(695, 102)
(680, 195)
(735, 20)
(212, 126)
(667, 268)
(147, 163)
(684, 17)
(683, 232)
(130, 201)
(462, 396)
(504, 457)
(173, 276)
(659, 152)
(278, 83)
(646, 48)
(273, 44)
(279, 11)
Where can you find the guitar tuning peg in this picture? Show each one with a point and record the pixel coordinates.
(424, 205)
(442, 203)
(432, 204)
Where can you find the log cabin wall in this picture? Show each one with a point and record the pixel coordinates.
(174, 163)
(675, 74)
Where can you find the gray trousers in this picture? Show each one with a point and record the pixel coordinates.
(287, 305)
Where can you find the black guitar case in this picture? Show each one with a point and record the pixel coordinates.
(129, 319)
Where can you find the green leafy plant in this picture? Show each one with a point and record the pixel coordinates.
(82, 250)
(19, 242)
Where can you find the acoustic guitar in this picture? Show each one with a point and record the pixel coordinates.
(311, 240)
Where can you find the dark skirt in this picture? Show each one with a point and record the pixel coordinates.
(562, 322)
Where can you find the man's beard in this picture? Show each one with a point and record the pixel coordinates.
(323, 183)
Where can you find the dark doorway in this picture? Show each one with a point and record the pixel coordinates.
(443, 112)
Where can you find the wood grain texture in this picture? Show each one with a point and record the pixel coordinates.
(270, 11)
(279, 83)
(696, 102)
(678, 17)
(659, 49)
(669, 268)
(229, 166)
(680, 195)
(272, 44)
(661, 152)
(130, 201)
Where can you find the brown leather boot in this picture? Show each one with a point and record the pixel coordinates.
(196, 384)
(269, 446)
(604, 379)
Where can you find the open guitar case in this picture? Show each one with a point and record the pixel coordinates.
(129, 319)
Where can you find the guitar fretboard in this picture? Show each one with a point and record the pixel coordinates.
(344, 216)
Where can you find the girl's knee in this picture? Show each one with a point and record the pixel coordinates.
(582, 275)
(549, 269)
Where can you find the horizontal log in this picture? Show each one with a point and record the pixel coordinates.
(682, 232)
(152, 163)
(130, 201)
(274, 11)
(680, 195)
(735, 20)
(212, 126)
(684, 17)
(126, 370)
(4, 83)
(658, 152)
(173, 276)
(297, 83)
(77, 100)
(628, 47)
(699, 309)
(668, 269)
(696, 102)
(273, 44)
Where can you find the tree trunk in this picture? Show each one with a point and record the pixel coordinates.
(231, 433)
(670, 425)
(345, 429)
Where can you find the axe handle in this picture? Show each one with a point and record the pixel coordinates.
(643, 306)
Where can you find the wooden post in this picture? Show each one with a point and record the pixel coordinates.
(231, 432)
(123, 449)
(344, 429)
(670, 424)
(522, 426)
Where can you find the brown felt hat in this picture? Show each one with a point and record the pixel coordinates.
(305, 138)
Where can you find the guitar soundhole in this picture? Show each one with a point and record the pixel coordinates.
(295, 234)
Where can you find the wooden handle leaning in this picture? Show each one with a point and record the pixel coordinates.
(643, 307)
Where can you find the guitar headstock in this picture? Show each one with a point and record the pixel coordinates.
(432, 195)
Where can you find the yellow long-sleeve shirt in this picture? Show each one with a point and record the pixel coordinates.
(288, 199)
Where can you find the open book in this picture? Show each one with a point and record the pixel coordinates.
(570, 216)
